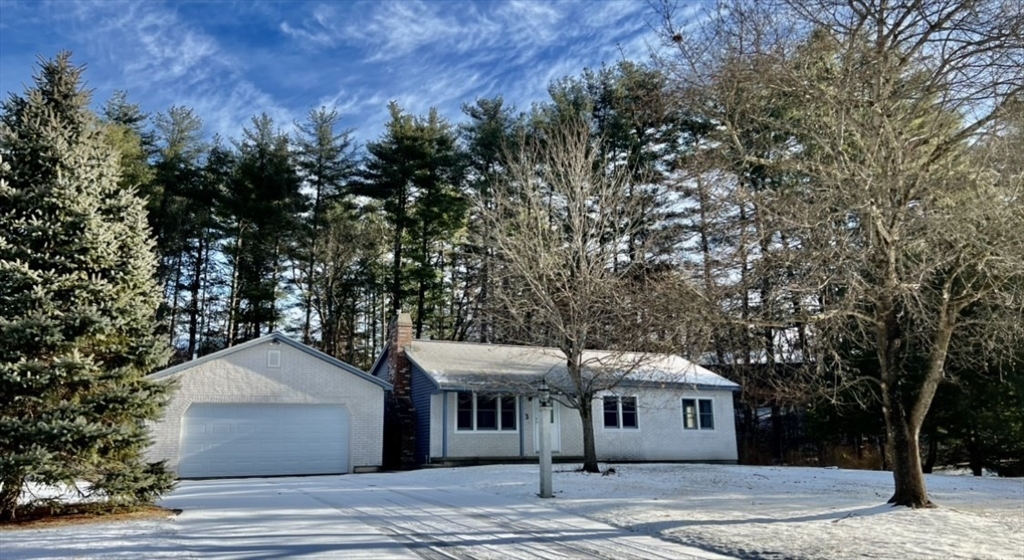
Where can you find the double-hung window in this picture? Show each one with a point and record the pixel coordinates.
(698, 414)
(486, 412)
(620, 412)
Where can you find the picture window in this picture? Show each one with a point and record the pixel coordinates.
(486, 413)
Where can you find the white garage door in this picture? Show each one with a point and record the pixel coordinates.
(227, 440)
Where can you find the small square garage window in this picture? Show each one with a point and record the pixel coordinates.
(274, 358)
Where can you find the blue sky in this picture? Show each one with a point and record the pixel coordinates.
(229, 60)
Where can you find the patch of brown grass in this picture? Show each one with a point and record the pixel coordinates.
(46, 516)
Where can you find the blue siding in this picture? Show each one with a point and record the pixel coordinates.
(422, 388)
(380, 367)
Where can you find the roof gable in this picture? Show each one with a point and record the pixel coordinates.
(278, 337)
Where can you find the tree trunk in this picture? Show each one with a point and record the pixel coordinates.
(9, 494)
(421, 291)
(311, 264)
(905, 448)
(396, 265)
(482, 305)
(778, 455)
(589, 446)
(749, 435)
(975, 459)
(195, 289)
(274, 281)
(933, 450)
(174, 299)
(233, 299)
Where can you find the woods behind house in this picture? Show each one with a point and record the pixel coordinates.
(822, 200)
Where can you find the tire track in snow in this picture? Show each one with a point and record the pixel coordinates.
(619, 547)
(416, 521)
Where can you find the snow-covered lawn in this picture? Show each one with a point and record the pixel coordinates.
(783, 512)
(493, 512)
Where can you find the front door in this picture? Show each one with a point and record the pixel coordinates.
(556, 427)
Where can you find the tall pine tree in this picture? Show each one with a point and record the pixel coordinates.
(77, 303)
(326, 162)
(264, 205)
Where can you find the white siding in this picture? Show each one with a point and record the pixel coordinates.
(660, 437)
(437, 424)
(243, 377)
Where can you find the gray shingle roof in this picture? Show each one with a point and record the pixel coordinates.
(470, 366)
(274, 336)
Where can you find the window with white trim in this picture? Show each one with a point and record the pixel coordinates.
(698, 414)
(620, 412)
(485, 413)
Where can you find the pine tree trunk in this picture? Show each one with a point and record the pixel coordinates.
(233, 299)
(350, 340)
(933, 450)
(9, 494)
(204, 311)
(482, 309)
(421, 292)
(194, 290)
(174, 298)
(974, 456)
(396, 264)
(311, 264)
(777, 438)
(274, 282)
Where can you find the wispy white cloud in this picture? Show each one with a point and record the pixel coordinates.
(158, 55)
(398, 29)
(230, 61)
(317, 30)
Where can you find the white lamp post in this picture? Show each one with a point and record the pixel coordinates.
(544, 400)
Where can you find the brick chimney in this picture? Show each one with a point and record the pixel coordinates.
(400, 414)
(400, 339)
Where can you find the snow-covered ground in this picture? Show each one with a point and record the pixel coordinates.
(783, 512)
(493, 512)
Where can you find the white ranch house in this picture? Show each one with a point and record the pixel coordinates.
(273, 406)
(474, 403)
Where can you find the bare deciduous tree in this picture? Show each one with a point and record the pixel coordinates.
(896, 229)
(559, 222)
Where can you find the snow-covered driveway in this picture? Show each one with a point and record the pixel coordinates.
(364, 516)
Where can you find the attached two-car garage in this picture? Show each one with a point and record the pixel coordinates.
(267, 439)
(270, 407)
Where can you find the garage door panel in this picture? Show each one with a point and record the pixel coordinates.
(222, 440)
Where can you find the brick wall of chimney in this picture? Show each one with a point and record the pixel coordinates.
(398, 364)
(400, 424)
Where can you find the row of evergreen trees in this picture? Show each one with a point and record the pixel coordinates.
(127, 238)
(308, 233)
(315, 235)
